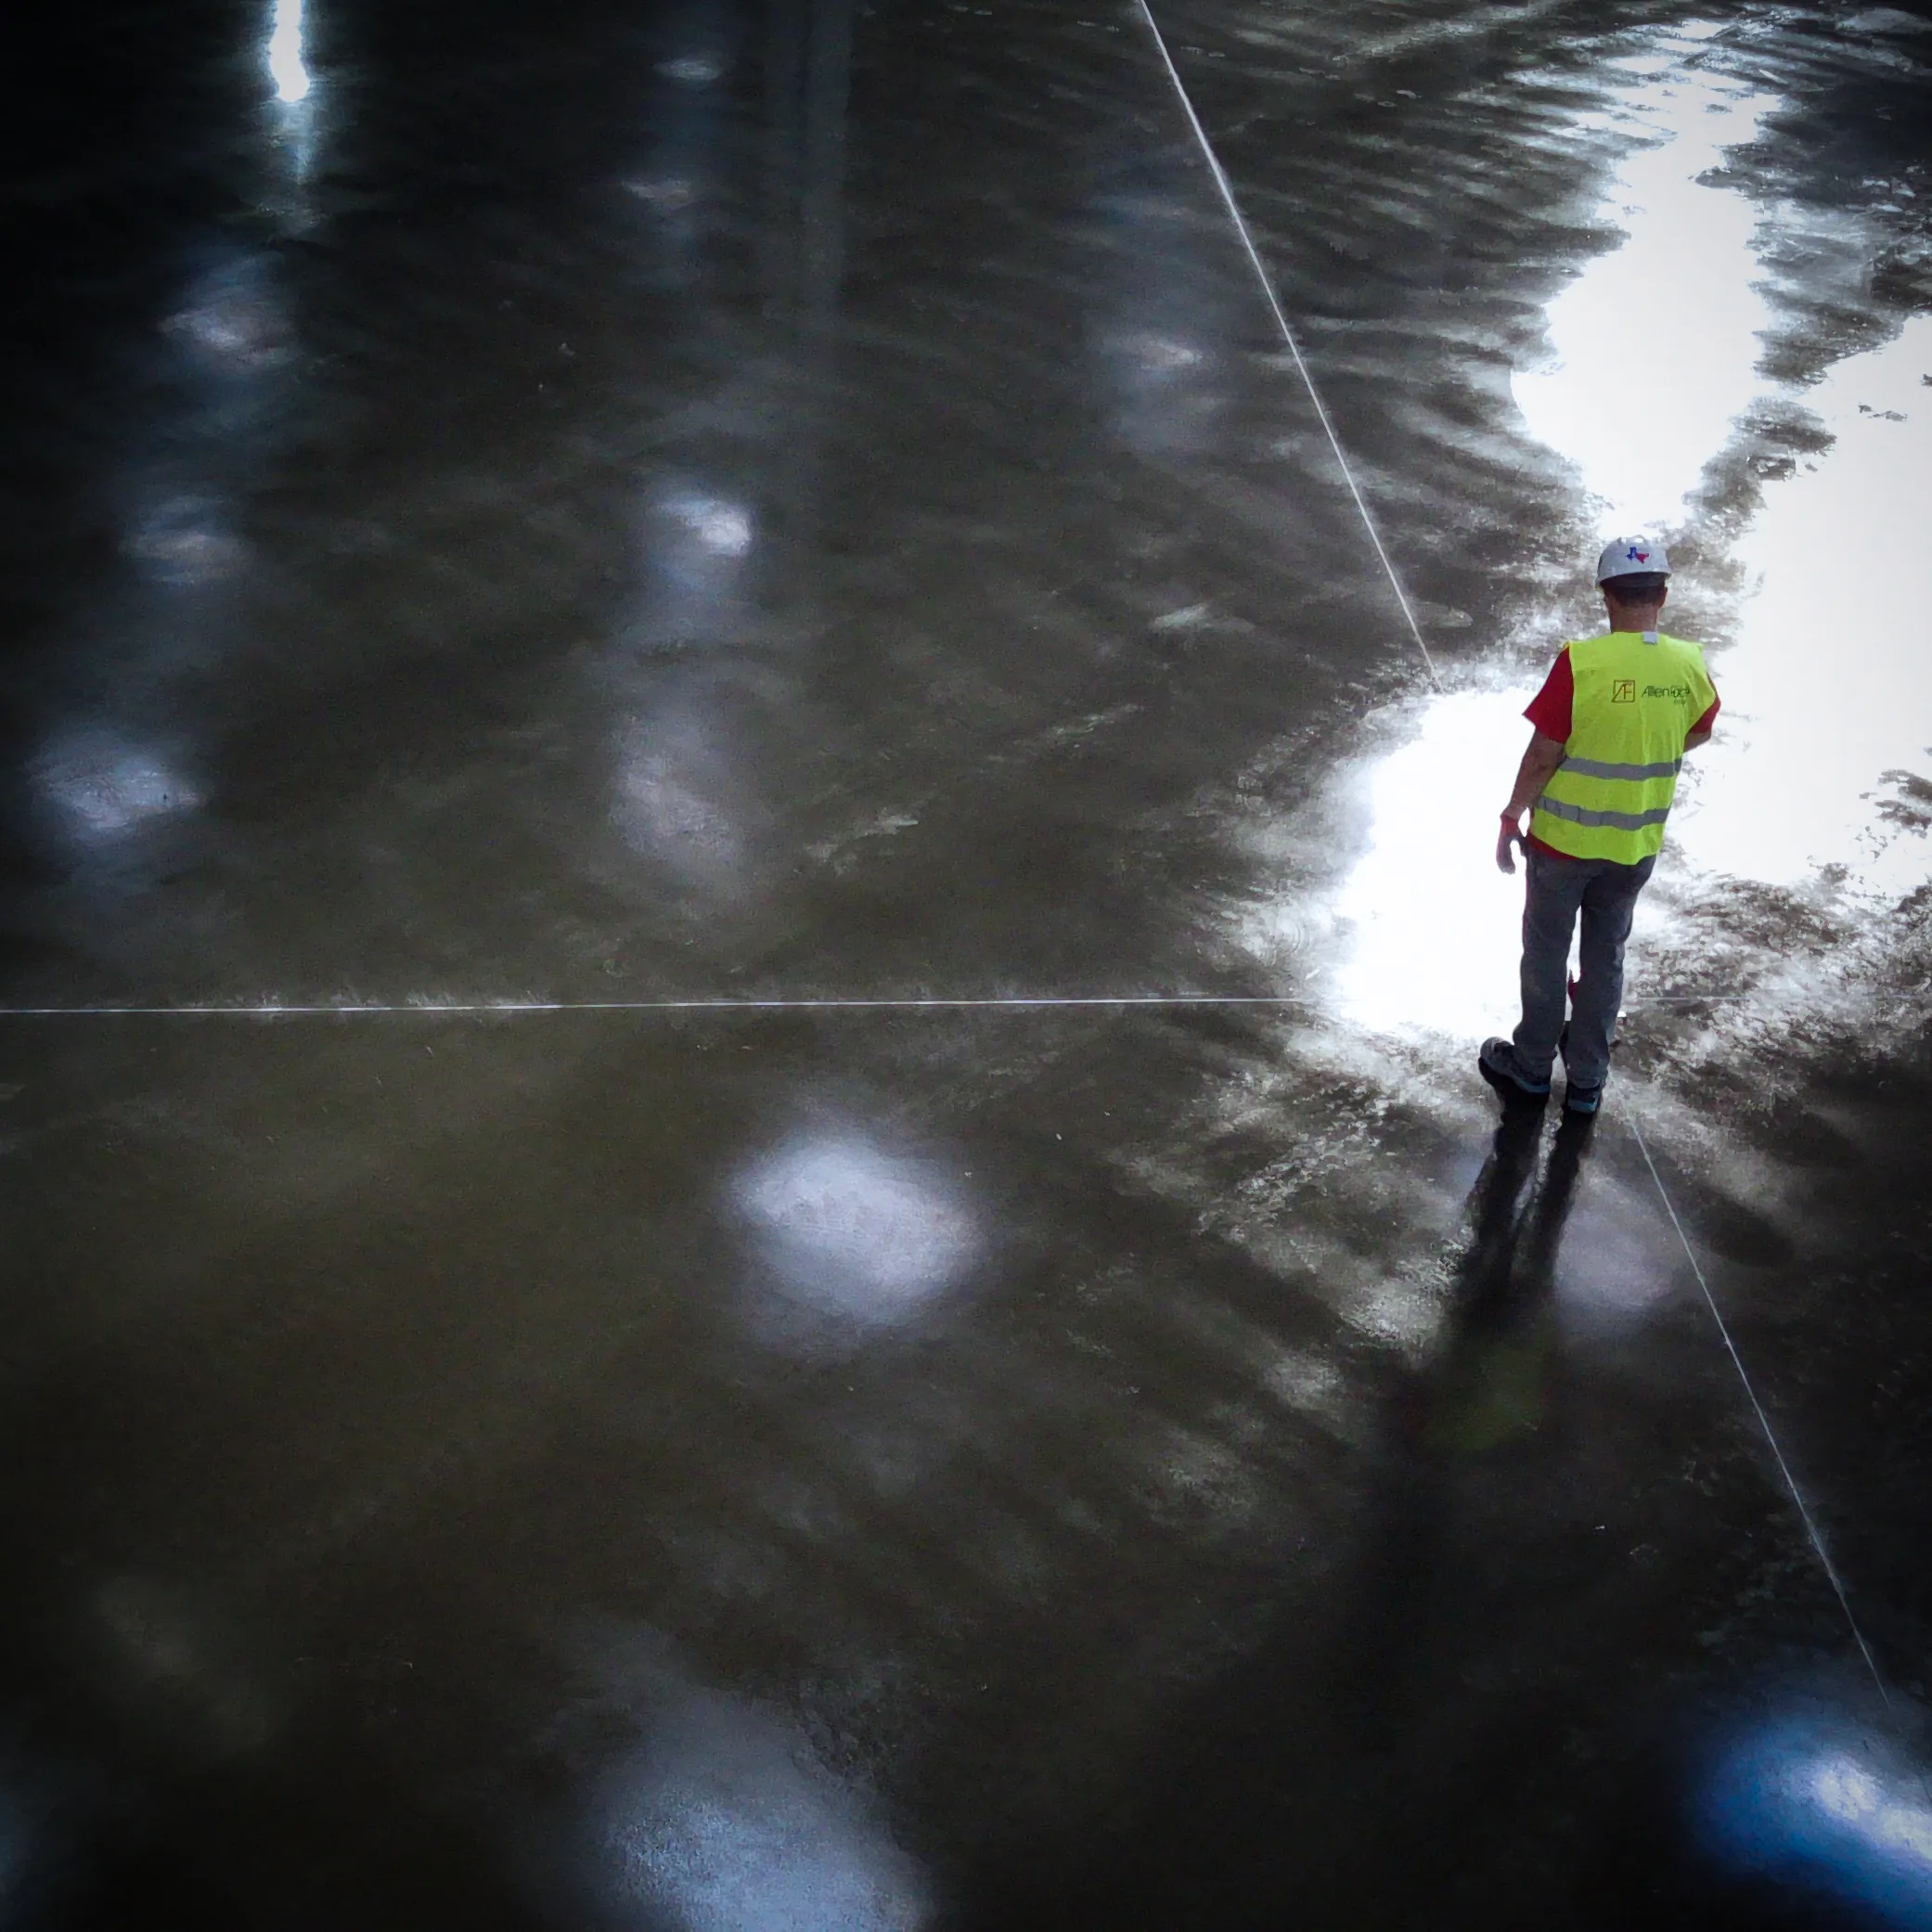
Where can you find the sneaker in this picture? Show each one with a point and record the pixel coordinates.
(1496, 1062)
(1582, 1100)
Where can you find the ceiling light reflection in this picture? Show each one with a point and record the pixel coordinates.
(692, 69)
(234, 320)
(286, 67)
(1158, 353)
(102, 788)
(852, 1231)
(1821, 1805)
(717, 526)
(669, 192)
(724, 1821)
(675, 800)
(698, 546)
(182, 542)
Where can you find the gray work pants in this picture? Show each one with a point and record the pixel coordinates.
(1606, 893)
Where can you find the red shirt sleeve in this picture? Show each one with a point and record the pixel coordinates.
(1710, 717)
(1550, 709)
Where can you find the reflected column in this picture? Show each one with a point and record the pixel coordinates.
(124, 754)
(292, 115)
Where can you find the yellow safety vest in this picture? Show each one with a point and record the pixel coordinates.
(1637, 696)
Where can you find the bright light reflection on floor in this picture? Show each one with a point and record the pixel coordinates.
(184, 541)
(1830, 1809)
(692, 69)
(674, 801)
(1825, 747)
(724, 1822)
(1648, 375)
(286, 67)
(102, 788)
(233, 320)
(1429, 929)
(718, 526)
(698, 550)
(855, 1232)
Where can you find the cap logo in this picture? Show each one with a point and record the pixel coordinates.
(1634, 555)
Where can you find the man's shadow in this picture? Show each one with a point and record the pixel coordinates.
(1489, 1384)
(1483, 1400)
(1327, 1768)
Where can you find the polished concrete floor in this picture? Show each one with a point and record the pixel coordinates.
(744, 1189)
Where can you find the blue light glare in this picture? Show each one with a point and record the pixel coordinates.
(1829, 1809)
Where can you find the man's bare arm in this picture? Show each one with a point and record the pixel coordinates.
(1540, 758)
(1695, 739)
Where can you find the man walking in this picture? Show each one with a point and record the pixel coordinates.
(1612, 723)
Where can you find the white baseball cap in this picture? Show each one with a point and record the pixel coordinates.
(1631, 557)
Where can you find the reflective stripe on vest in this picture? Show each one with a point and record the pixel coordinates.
(1636, 698)
(1596, 768)
(1621, 822)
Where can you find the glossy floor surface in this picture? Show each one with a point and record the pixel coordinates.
(551, 547)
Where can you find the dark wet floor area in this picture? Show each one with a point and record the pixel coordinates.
(745, 866)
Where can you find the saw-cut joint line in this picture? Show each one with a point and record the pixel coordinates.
(1288, 336)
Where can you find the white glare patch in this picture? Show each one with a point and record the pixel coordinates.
(666, 812)
(721, 527)
(233, 322)
(670, 193)
(697, 546)
(676, 802)
(1639, 408)
(725, 1822)
(183, 543)
(1889, 1821)
(286, 67)
(692, 69)
(1810, 767)
(852, 1231)
(104, 789)
(1158, 353)
(1429, 930)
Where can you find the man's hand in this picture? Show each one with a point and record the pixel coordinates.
(1509, 842)
(1540, 758)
